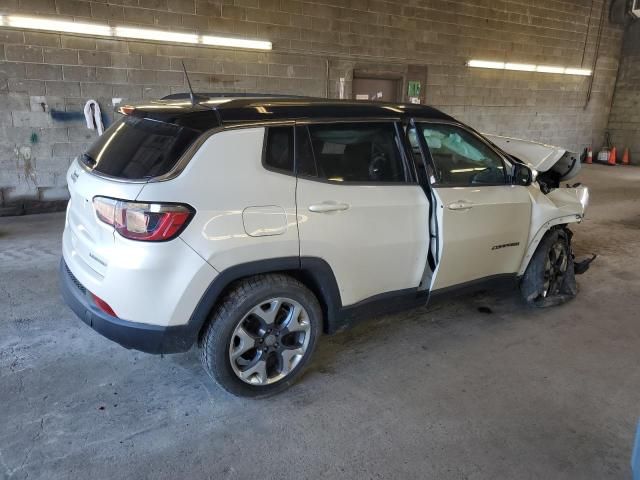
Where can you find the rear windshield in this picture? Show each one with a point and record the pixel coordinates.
(138, 148)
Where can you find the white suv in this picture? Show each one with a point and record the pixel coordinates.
(250, 225)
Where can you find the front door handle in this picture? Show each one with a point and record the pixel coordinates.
(460, 205)
(326, 207)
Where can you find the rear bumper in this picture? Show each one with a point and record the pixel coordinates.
(132, 335)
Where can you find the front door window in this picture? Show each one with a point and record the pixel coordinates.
(460, 158)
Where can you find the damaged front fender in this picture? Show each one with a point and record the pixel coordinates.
(573, 200)
(561, 206)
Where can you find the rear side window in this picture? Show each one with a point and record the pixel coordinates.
(279, 149)
(137, 148)
(357, 152)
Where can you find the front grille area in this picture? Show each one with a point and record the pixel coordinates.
(75, 280)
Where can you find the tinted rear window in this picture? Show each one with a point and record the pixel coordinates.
(137, 148)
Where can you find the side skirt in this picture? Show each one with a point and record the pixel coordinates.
(503, 281)
(393, 302)
(382, 304)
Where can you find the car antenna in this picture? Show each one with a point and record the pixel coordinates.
(192, 95)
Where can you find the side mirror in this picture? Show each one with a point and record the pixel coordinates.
(523, 175)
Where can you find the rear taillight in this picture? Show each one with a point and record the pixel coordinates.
(150, 222)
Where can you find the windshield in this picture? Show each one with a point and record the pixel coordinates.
(137, 148)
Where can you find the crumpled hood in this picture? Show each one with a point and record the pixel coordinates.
(540, 156)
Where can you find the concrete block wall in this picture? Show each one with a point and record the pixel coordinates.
(624, 121)
(315, 45)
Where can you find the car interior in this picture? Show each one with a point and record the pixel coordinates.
(357, 153)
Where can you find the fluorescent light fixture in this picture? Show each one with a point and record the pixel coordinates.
(577, 71)
(549, 69)
(152, 34)
(526, 67)
(522, 67)
(485, 64)
(235, 42)
(34, 23)
(103, 30)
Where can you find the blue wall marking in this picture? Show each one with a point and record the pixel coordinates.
(635, 456)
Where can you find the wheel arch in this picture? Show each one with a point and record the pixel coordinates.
(546, 282)
(314, 273)
(542, 231)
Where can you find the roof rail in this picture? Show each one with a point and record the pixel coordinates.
(180, 96)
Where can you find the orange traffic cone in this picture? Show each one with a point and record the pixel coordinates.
(589, 155)
(613, 156)
(625, 157)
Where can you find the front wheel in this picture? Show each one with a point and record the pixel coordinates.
(550, 278)
(262, 334)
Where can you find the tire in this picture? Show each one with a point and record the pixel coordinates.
(246, 354)
(550, 278)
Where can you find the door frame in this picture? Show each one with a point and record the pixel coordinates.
(399, 80)
(402, 72)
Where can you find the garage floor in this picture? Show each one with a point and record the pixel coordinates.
(443, 392)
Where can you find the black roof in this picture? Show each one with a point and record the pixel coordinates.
(253, 108)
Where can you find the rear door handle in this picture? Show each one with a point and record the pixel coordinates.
(326, 207)
(460, 205)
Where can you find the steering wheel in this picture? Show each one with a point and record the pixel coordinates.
(483, 177)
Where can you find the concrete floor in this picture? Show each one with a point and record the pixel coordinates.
(442, 392)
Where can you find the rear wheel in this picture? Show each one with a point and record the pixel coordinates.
(550, 277)
(260, 337)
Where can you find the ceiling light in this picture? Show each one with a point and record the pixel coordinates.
(103, 30)
(549, 69)
(236, 42)
(523, 67)
(33, 23)
(160, 35)
(526, 67)
(485, 64)
(577, 71)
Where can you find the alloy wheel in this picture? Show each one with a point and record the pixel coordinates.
(270, 341)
